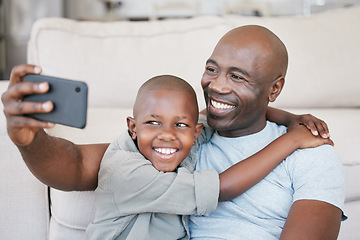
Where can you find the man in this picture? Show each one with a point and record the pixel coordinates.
(305, 192)
(300, 199)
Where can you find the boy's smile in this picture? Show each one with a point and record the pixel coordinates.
(166, 153)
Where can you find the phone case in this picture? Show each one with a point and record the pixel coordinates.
(69, 98)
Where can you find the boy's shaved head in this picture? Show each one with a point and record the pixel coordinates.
(168, 83)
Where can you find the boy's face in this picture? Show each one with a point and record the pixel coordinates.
(165, 127)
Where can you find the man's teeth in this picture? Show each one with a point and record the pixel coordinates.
(221, 105)
(165, 150)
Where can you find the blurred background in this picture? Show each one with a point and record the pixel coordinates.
(17, 16)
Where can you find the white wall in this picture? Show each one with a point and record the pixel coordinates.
(94, 9)
(18, 16)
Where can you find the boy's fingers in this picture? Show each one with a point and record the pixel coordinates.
(311, 126)
(323, 129)
(329, 141)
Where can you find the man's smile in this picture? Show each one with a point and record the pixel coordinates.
(219, 105)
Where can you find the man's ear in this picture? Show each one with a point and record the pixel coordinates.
(198, 129)
(131, 126)
(276, 88)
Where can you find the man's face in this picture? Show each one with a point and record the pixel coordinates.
(236, 88)
(166, 128)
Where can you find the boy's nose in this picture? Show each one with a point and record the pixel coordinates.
(167, 135)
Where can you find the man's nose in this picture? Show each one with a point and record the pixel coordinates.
(220, 84)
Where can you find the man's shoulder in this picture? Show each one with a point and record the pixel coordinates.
(279, 129)
(323, 151)
(320, 157)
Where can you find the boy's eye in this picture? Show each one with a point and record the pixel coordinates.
(153, 122)
(182, 125)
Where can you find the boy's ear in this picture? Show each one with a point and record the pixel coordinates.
(276, 88)
(198, 129)
(131, 126)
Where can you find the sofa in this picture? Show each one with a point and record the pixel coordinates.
(115, 58)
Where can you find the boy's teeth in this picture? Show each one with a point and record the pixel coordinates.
(165, 150)
(221, 105)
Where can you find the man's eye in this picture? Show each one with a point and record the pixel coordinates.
(211, 70)
(237, 78)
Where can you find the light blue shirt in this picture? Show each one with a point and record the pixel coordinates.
(260, 213)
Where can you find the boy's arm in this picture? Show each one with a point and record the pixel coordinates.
(206, 132)
(138, 187)
(245, 174)
(314, 124)
(54, 161)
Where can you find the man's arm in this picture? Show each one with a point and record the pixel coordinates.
(61, 164)
(54, 161)
(312, 220)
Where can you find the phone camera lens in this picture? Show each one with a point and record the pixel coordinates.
(77, 89)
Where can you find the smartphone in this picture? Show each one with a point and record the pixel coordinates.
(68, 96)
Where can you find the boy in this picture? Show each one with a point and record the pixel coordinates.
(147, 187)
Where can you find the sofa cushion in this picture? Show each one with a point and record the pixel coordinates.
(350, 228)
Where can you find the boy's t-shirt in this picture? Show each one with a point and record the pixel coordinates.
(136, 201)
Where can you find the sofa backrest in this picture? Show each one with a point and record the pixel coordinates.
(115, 58)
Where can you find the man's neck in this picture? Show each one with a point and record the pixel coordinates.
(244, 131)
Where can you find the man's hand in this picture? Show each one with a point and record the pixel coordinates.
(21, 129)
(56, 162)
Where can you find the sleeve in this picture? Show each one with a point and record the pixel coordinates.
(318, 175)
(137, 187)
